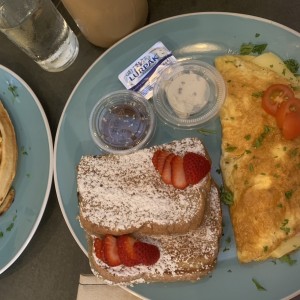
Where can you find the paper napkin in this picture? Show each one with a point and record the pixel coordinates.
(93, 288)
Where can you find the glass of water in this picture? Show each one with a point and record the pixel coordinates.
(40, 31)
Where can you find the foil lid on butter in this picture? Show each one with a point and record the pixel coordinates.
(143, 73)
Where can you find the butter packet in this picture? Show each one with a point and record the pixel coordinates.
(142, 74)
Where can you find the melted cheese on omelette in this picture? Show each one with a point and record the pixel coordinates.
(259, 166)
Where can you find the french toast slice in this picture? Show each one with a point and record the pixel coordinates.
(183, 257)
(121, 194)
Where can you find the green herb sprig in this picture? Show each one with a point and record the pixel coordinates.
(292, 65)
(227, 196)
(249, 48)
(287, 259)
(258, 285)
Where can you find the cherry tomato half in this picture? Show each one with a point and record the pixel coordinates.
(291, 126)
(274, 95)
(286, 107)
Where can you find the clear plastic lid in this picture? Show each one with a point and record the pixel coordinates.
(122, 122)
(189, 93)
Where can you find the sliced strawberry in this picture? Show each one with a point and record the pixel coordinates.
(196, 167)
(161, 158)
(110, 250)
(167, 171)
(99, 249)
(126, 252)
(155, 158)
(178, 176)
(147, 254)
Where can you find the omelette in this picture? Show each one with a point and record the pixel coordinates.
(260, 169)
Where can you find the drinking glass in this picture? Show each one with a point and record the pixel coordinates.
(37, 28)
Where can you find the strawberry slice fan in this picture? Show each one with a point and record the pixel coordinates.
(125, 250)
(181, 171)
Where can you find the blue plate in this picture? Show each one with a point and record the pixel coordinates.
(34, 170)
(199, 36)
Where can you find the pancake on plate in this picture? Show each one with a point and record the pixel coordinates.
(8, 160)
(260, 168)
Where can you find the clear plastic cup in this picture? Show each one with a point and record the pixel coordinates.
(189, 93)
(122, 122)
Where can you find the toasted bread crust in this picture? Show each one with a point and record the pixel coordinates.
(189, 256)
(125, 194)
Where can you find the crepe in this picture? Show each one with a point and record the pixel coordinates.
(259, 167)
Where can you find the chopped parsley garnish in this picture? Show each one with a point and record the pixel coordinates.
(10, 227)
(257, 35)
(288, 195)
(247, 137)
(228, 240)
(250, 48)
(226, 249)
(1, 234)
(258, 142)
(266, 248)
(226, 196)
(258, 285)
(230, 148)
(284, 227)
(287, 259)
(23, 151)
(292, 65)
(294, 152)
(13, 90)
(206, 131)
(257, 94)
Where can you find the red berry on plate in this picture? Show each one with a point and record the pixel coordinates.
(99, 249)
(110, 250)
(126, 251)
(196, 167)
(147, 254)
(178, 176)
(161, 160)
(167, 171)
(155, 158)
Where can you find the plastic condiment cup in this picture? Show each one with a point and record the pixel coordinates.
(122, 122)
(189, 93)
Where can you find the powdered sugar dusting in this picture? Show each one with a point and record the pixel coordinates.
(180, 254)
(124, 192)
